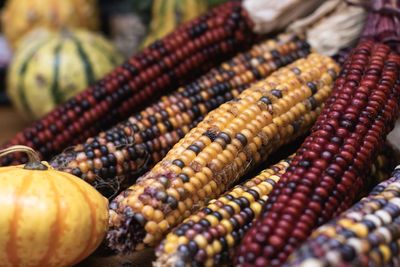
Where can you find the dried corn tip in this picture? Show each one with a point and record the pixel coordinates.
(224, 146)
(183, 246)
(329, 170)
(367, 234)
(132, 147)
(169, 62)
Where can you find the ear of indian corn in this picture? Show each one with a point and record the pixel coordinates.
(329, 169)
(228, 217)
(131, 147)
(175, 59)
(225, 145)
(365, 235)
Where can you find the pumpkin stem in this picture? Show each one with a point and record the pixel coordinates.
(33, 157)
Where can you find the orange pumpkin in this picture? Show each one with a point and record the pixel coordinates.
(47, 218)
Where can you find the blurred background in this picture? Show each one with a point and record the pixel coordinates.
(50, 50)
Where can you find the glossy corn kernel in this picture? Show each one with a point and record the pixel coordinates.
(183, 247)
(173, 60)
(132, 147)
(365, 235)
(330, 168)
(225, 145)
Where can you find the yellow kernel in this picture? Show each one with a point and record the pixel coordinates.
(202, 178)
(182, 240)
(216, 147)
(171, 238)
(207, 189)
(346, 223)
(158, 215)
(173, 193)
(227, 225)
(135, 204)
(163, 225)
(171, 219)
(213, 206)
(213, 185)
(360, 230)
(174, 168)
(188, 203)
(189, 188)
(201, 194)
(224, 214)
(188, 171)
(235, 206)
(195, 182)
(228, 155)
(196, 218)
(212, 220)
(385, 252)
(216, 246)
(275, 177)
(248, 196)
(210, 251)
(224, 200)
(181, 207)
(265, 187)
(148, 212)
(329, 231)
(170, 247)
(205, 140)
(230, 240)
(187, 156)
(256, 208)
(151, 227)
(201, 241)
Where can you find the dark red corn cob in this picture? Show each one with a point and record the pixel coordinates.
(167, 63)
(367, 234)
(329, 169)
(132, 147)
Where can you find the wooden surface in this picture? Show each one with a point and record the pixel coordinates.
(138, 259)
(10, 123)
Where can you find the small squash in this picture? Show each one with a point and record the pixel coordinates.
(20, 17)
(51, 67)
(47, 218)
(167, 15)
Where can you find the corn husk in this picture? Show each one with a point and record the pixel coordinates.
(274, 15)
(333, 26)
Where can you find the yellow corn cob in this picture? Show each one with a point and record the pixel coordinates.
(224, 146)
(192, 243)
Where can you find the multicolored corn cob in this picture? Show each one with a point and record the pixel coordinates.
(365, 235)
(132, 147)
(208, 237)
(329, 169)
(225, 145)
(167, 63)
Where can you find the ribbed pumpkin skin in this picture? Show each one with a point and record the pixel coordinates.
(50, 68)
(48, 218)
(19, 17)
